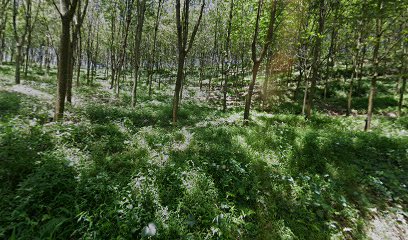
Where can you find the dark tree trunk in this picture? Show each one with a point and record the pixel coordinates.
(404, 76)
(180, 73)
(27, 53)
(63, 67)
(79, 61)
(18, 62)
(71, 62)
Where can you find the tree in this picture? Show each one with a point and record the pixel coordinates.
(404, 66)
(20, 35)
(357, 50)
(258, 59)
(152, 59)
(4, 4)
(66, 11)
(315, 74)
(183, 46)
(30, 28)
(141, 8)
(376, 61)
(227, 57)
(76, 29)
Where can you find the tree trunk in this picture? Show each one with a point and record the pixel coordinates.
(180, 73)
(63, 68)
(71, 62)
(403, 77)
(18, 62)
(316, 59)
(268, 70)
(257, 60)
(2, 46)
(373, 88)
(183, 47)
(401, 93)
(228, 56)
(141, 7)
(355, 75)
(305, 96)
(47, 58)
(79, 61)
(299, 80)
(255, 70)
(27, 53)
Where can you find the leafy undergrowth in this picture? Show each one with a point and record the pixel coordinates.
(119, 173)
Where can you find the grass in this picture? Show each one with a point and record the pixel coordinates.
(121, 173)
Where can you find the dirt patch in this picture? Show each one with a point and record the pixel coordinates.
(27, 90)
(388, 226)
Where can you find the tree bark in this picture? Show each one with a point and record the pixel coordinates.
(255, 69)
(141, 8)
(257, 60)
(404, 76)
(66, 11)
(227, 56)
(183, 46)
(355, 75)
(63, 68)
(3, 23)
(20, 39)
(316, 59)
(373, 89)
(18, 63)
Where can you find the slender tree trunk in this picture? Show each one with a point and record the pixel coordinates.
(183, 47)
(403, 79)
(141, 8)
(18, 62)
(305, 96)
(401, 93)
(299, 80)
(95, 58)
(373, 88)
(3, 21)
(20, 39)
(180, 73)
(268, 70)
(71, 62)
(2, 46)
(257, 60)
(27, 52)
(47, 58)
(79, 56)
(356, 57)
(153, 53)
(63, 63)
(228, 56)
(255, 70)
(316, 59)
(201, 72)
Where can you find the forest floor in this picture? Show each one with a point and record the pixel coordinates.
(282, 177)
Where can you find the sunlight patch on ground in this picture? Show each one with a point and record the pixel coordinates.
(183, 144)
(235, 118)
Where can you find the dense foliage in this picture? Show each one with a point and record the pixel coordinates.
(203, 119)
